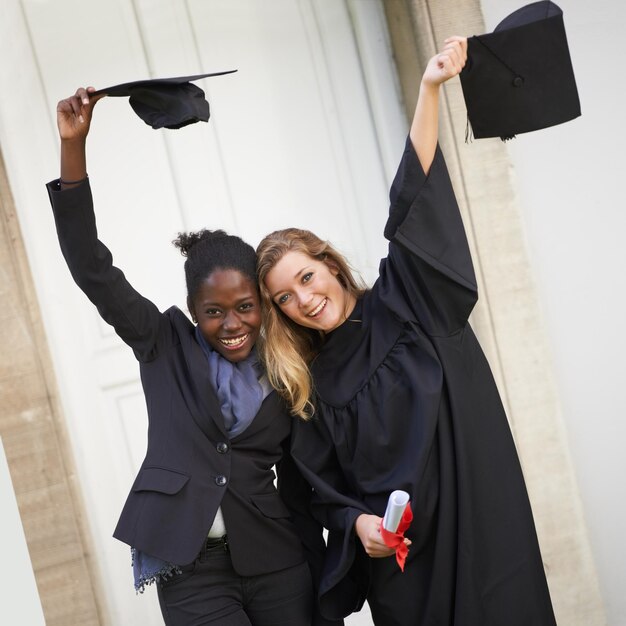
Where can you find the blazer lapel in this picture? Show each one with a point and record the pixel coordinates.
(209, 408)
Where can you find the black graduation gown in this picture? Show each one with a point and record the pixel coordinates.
(406, 400)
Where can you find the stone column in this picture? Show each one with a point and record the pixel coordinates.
(34, 438)
(507, 319)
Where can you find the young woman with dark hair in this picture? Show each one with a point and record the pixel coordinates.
(394, 392)
(203, 518)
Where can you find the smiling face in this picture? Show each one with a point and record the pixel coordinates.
(227, 310)
(307, 291)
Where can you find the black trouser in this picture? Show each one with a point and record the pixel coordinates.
(209, 591)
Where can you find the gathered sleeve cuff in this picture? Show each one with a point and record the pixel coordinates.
(406, 185)
(428, 275)
(135, 319)
(344, 576)
(296, 493)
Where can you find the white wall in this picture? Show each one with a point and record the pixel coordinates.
(570, 183)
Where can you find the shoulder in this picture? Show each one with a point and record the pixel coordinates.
(180, 323)
(355, 352)
(175, 314)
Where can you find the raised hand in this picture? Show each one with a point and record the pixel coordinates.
(74, 114)
(425, 127)
(448, 62)
(73, 120)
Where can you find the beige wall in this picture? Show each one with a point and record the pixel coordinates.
(33, 438)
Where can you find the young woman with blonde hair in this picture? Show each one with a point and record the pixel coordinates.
(394, 392)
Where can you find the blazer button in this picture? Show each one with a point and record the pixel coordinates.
(220, 480)
(222, 447)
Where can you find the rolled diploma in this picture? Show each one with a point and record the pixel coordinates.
(395, 508)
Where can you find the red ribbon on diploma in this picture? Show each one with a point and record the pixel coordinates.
(396, 540)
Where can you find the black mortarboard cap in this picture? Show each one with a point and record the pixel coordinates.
(166, 102)
(520, 78)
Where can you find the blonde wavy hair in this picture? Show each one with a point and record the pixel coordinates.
(288, 348)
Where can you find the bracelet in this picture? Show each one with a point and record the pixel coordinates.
(73, 182)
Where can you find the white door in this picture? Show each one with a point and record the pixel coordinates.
(307, 133)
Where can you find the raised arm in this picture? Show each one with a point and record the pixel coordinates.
(425, 126)
(135, 318)
(73, 121)
(423, 135)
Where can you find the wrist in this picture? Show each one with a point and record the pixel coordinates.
(429, 86)
(70, 183)
(73, 160)
(73, 143)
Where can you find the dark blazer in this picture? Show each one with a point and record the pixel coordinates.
(191, 467)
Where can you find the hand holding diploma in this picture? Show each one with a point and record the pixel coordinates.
(367, 528)
(370, 531)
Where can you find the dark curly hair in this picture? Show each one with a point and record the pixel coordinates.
(209, 250)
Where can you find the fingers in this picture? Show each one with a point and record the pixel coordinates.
(458, 39)
(448, 63)
(368, 530)
(80, 103)
(87, 96)
(83, 95)
(72, 108)
(77, 101)
(453, 56)
(376, 547)
(74, 113)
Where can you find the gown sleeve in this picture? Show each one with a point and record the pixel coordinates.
(428, 276)
(135, 319)
(344, 578)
